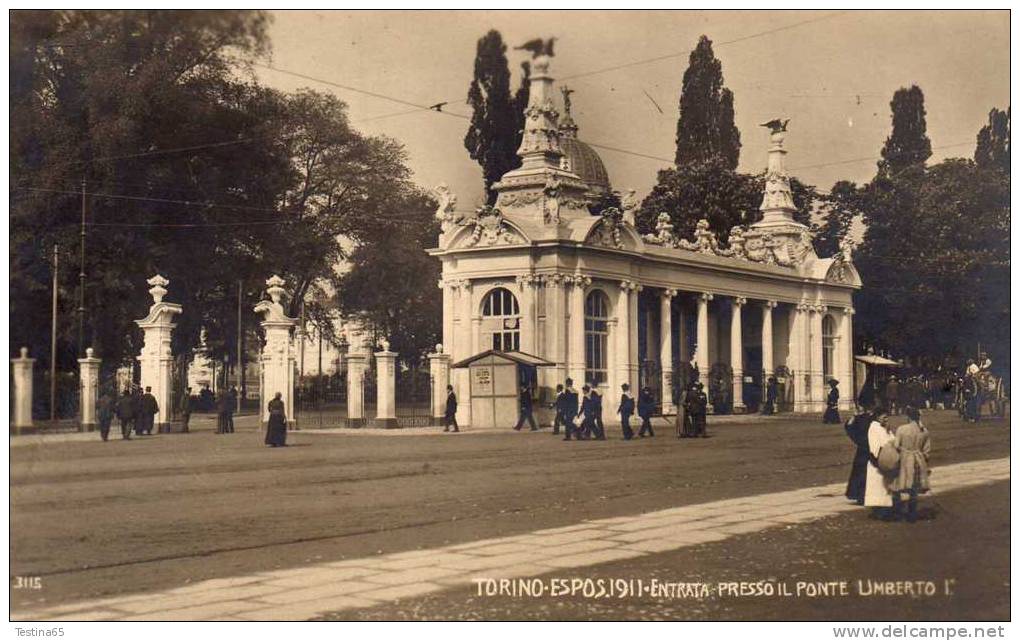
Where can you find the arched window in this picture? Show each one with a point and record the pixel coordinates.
(828, 347)
(501, 319)
(596, 337)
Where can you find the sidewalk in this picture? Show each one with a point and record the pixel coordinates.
(307, 592)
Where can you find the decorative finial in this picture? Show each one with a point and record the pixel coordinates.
(24, 352)
(89, 352)
(439, 348)
(158, 290)
(275, 288)
(384, 344)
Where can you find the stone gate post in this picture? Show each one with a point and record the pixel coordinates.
(439, 372)
(88, 379)
(356, 364)
(22, 374)
(155, 359)
(278, 358)
(386, 384)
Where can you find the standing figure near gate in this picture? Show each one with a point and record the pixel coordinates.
(832, 403)
(228, 414)
(105, 411)
(683, 417)
(570, 406)
(185, 410)
(276, 429)
(771, 394)
(971, 409)
(126, 414)
(526, 410)
(149, 409)
(625, 410)
(450, 413)
(645, 407)
(699, 411)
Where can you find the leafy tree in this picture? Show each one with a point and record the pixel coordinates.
(497, 121)
(838, 210)
(908, 144)
(993, 142)
(705, 128)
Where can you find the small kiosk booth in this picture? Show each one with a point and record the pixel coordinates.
(496, 379)
(871, 373)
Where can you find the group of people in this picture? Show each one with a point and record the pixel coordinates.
(890, 467)
(135, 410)
(692, 412)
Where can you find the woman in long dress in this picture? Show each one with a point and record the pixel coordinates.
(857, 430)
(876, 486)
(276, 430)
(832, 403)
(914, 444)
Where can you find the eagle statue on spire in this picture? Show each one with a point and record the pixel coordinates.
(538, 47)
(776, 125)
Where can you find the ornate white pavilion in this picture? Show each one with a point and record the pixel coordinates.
(538, 273)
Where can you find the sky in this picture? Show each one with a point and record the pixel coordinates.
(831, 73)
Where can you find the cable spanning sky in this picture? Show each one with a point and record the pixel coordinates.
(832, 73)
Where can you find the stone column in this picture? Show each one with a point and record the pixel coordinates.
(799, 356)
(462, 339)
(666, 348)
(22, 389)
(701, 350)
(155, 359)
(439, 372)
(635, 359)
(356, 364)
(278, 362)
(88, 380)
(448, 312)
(737, 353)
(529, 325)
(817, 375)
(556, 323)
(767, 358)
(386, 387)
(576, 333)
(846, 349)
(623, 335)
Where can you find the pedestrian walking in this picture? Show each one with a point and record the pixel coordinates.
(570, 411)
(626, 410)
(525, 410)
(450, 412)
(857, 429)
(557, 405)
(771, 393)
(589, 427)
(126, 414)
(598, 408)
(645, 407)
(139, 421)
(914, 445)
(831, 414)
(877, 495)
(185, 410)
(105, 409)
(276, 429)
(149, 409)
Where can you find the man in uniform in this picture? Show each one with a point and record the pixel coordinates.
(625, 410)
(645, 406)
(589, 408)
(570, 403)
(149, 410)
(557, 405)
(598, 408)
(450, 413)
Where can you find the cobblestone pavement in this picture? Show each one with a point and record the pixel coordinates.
(307, 592)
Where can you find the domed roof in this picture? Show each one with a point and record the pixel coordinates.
(583, 161)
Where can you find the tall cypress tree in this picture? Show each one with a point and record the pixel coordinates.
(993, 142)
(908, 144)
(705, 129)
(493, 136)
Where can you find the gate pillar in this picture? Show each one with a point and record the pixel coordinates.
(439, 371)
(22, 374)
(89, 393)
(155, 358)
(278, 353)
(356, 364)
(386, 384)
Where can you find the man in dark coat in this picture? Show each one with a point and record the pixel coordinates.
(228, 417)
(645, 407)
(598, 409)
(105, 410)
(589, 407)
(149, 409)
(558, 405)
(185, 409)
(700, 410)
(526, 410)
(857, 430)
(126, 414)
(570, 407)
(626, 410)
(892, 395)
(771, 393)
(450, 412)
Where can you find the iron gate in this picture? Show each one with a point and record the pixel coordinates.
(320, 402)
(720, 388)
(785, 384)
(414, 398)
(650, 376)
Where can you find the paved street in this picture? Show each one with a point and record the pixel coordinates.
(204, 526)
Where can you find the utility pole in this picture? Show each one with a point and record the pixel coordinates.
(53, 340)
(81, 278)
(240, 362)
